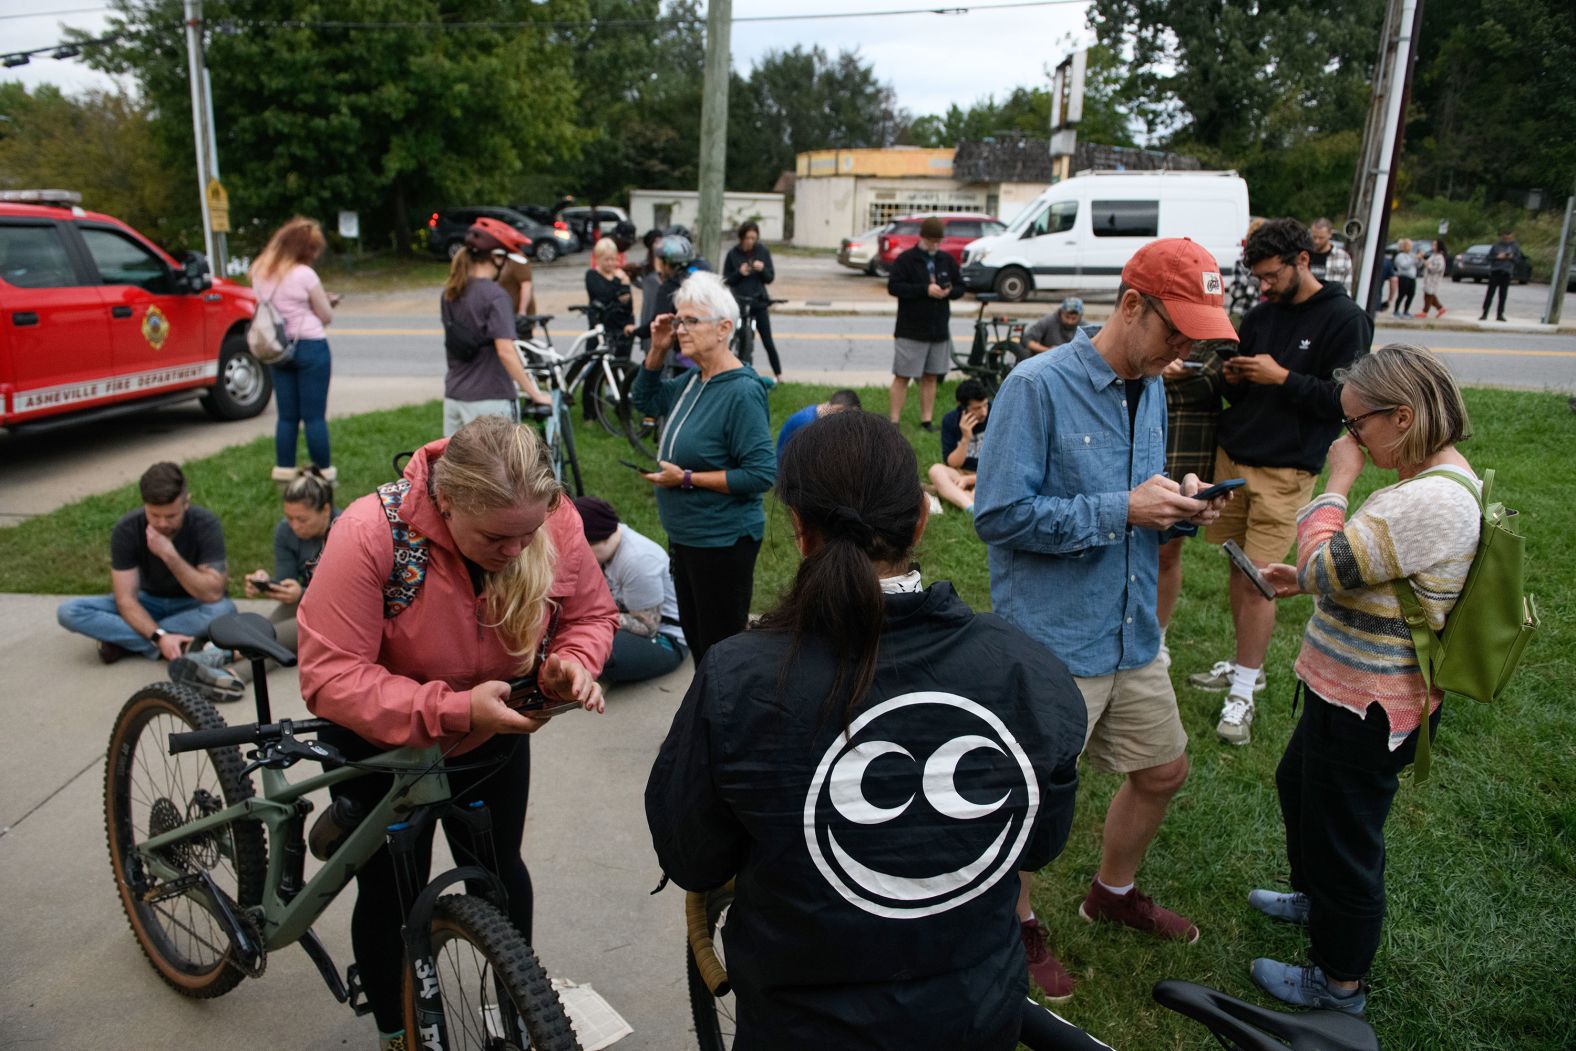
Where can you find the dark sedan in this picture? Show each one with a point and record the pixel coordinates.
(1474, 263)
(446, 232)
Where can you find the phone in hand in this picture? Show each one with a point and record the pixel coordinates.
(637, 467)
(1240, 559)
(1193, 366)
(1220, 489)
(527, 698)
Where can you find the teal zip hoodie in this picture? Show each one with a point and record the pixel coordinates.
(720, 424)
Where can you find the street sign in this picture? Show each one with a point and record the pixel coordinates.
(218, 207)
(1444, 227)
(349, 225)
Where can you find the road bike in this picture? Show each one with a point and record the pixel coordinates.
(212, 875)
(593, 370)
(745, 337)
(1236, 1024)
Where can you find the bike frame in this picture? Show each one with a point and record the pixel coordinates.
(419, 780)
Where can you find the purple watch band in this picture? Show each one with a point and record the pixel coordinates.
(686, 483)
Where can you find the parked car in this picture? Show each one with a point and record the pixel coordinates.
(961, 228)
(1474, 263)
(1079, 233)
(859, 252)
(446, 231)
(99, 321)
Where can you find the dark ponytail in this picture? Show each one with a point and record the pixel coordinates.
(852, 480)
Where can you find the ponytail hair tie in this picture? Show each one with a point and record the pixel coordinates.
(849, 525)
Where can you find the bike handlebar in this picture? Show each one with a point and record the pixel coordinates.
(248, 733)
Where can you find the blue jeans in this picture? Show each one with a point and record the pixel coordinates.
(301, 396)
(97, 617)
(636, 658)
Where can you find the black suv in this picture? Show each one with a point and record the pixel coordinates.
(446, 232)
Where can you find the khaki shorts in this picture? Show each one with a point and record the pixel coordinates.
(1262, 517)
(1133, 720)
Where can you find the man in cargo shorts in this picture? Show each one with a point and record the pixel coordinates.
(925, 280)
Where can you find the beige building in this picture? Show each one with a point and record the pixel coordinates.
(839, 193)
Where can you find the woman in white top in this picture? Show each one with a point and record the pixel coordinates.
(1406, 276)
(283, 274)
(1433, 275)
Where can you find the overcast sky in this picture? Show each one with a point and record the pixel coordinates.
(931, 60)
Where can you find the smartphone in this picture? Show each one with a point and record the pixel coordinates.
(637, 467)
(1249, 570)
(1193, 366)
(526, 698)
(1220, 488)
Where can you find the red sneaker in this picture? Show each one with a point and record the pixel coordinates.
(1046, 970)
(1137, 911)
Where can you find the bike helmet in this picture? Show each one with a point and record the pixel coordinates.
(625, 234)
(495, 238)
(675, 250)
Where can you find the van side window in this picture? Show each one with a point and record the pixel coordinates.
(1125, 218)
(35, 257)
(1058, 218)
(122, 261)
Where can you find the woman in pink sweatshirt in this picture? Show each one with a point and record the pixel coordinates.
(431, 593)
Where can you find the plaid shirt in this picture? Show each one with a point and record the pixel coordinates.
(1337, 269)
(1192, 407)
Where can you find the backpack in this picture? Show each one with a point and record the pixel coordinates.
(411, 555)
(1490, 625)
(462, 342)
(265, 336)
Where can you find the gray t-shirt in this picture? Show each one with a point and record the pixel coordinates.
(1049, 331)
(483, 308)
(292, 554)
(638, 577)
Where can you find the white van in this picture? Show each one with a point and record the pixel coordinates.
(1078, 234)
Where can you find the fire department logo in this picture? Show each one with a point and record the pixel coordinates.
(956, 797)
(155, 327)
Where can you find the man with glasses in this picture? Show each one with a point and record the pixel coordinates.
(1284, 411)
(1072, 500)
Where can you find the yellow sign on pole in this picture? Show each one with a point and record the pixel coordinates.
(218, 207)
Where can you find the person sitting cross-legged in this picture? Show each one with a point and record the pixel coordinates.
(167, 573)
(962, 432)
(649, 641)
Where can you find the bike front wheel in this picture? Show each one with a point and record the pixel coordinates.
(641, 429)
(608, 402)
(148, 792)
(494, 991)
(716, 1022)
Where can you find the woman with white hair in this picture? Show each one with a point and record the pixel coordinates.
(715, 459)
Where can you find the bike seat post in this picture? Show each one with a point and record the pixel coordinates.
(260, 691)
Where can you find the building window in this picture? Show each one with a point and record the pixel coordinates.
(883, 212)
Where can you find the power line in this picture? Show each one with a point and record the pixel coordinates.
(54, 14)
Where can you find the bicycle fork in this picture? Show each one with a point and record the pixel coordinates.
(431, 1029)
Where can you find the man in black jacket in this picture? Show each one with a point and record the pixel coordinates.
(925, 280)
(1285, 410)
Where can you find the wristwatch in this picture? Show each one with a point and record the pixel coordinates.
(686, 483)
(158, 633)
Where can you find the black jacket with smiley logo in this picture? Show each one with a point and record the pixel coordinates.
(876, 869)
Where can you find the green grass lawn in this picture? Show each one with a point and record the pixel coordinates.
(1479, 947)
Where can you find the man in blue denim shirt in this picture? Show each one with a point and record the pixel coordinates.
(1073, 501)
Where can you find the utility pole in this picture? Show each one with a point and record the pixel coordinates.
(714, 128)
(1562, 262)
(200, 133)
(1369, 211)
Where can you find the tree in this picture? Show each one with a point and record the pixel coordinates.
(100, 145)
(384, 119)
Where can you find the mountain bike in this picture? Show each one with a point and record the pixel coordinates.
(558, 429)
(997, 347)
(1236, 1024)
(212, 876)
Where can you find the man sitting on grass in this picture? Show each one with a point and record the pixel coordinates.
(962, 432)
(167, 571)
(840, 400)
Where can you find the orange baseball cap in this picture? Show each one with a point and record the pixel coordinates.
(1186, 278)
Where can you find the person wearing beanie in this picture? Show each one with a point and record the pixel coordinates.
(1053, 330)
(1074, 504)
(649, 641)
(925, 280)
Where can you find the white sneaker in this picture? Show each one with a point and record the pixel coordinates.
(1218, 678)
(1236, 720)
(935, 504)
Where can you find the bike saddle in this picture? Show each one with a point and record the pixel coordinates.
(250, 635)
(538, 319)
(1245, 1025)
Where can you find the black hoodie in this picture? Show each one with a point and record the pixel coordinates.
(872, 907)
(1292, 425)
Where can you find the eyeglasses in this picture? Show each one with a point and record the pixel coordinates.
(1273, 276)
(1173, 334)
(1351, 422)
(683, 321)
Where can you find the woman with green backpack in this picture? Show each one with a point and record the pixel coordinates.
(1365, 693)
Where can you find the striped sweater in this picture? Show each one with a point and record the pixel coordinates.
(1357, 649)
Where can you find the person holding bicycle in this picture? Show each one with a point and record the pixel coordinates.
(485, 374)
(714, 456)
(611, 296)
(872, 764)
(747, 269)
(494, 581)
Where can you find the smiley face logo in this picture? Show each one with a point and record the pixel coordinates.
(954, 801)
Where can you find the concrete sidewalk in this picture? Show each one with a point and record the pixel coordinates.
(72, 977)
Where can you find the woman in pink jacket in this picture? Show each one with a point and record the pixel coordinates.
(431, 593)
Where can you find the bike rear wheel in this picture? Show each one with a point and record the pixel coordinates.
(642, 430)
(715, 1017)
(568, 463)
(608, 402)
(148, 792)
(496, 996)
